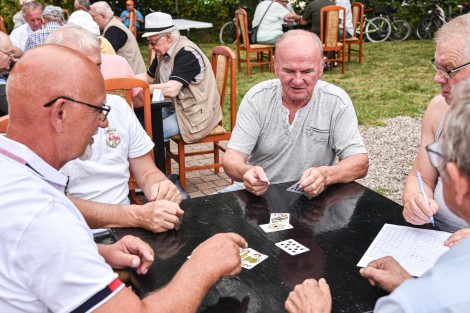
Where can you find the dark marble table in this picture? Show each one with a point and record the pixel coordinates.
(337, 227)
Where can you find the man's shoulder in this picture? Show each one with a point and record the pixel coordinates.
(20, 30)
(265, 87)
(331, 89)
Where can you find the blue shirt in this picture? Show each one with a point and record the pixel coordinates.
(138, 15)
(444, 288)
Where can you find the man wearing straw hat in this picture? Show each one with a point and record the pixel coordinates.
(182, 72)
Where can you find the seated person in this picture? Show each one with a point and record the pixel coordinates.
(125, 15)
(294, 127)
(443, 288)
(53, 18)
(18, 18)
(349, 26)
(32, 13)
(182, 72)
(451, 53)
(6, 60)
(311, 15)
(50, 262)
(98, 183)
(275, 13)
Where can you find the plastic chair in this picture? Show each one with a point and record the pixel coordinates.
(358, 23)
(4, 123)
(2, 25)
(243, 44)
(329, 31)
(122, 86)
(223, 65)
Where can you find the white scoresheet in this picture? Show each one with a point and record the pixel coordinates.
(415, 249)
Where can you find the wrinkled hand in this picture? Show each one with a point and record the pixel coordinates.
(227, 245)
(158, 216)
(165, 190)
(312, 182)
(256, 181)
(310, 297)
(416, 211)
(130, 251)
(385, 273)
(457, 236)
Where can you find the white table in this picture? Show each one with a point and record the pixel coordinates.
(187, 25)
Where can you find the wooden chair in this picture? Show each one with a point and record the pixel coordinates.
(358, 23)
(122, 86)
(223, 65)
(3, 28)
(329, 31)
(4, 123)
(133, 22)
(243, 44)
(66, 14)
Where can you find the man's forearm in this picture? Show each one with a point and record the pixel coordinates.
(104, 215)
(185, 291)
(349, 169)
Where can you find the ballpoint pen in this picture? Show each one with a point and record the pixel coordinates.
(421, 187)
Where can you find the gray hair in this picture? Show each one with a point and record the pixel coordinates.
(294, 32)
(456, 137)
(32, 6)
(84, 4)
(102, 7)
(87, 42)
(457, 29)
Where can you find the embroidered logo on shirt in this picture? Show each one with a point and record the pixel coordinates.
(112, 137)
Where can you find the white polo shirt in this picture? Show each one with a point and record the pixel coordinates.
(104, 178)
(49, 261)
(20, 35)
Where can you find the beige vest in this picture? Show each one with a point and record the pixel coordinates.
(197, 106)
(130, 51)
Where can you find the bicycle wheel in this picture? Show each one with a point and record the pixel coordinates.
(426, 28)
(378, 29)
(227, 33)
(401, 30)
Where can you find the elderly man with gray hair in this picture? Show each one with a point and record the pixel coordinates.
(119, 36)
(54, 18)
(182, 72)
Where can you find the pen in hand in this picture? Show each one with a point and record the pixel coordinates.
(421, 187)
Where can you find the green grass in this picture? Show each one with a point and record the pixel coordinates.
(395, 79)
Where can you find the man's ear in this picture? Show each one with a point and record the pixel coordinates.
(58, 114)
(459, 182)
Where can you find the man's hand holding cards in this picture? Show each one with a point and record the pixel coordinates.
(277, 222)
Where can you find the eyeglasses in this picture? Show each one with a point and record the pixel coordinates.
(11, 55)
(446, 73)
(434, 154)
(104, 110)
(154, 42)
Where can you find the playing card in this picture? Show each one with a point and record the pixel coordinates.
(295, 188)
(282, 218)
(251, 258)
(292, 247)
(272, 227)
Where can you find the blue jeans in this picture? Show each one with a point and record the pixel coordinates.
(170, 124)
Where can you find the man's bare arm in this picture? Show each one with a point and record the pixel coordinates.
(235, 165)
(415, 210)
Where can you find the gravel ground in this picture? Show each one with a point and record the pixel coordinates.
(391, 149)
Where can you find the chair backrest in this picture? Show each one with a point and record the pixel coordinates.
(241, 22)
(3, 28)
(329, 23)
(358, 19)
(4, 123)
(223, 62)
(133, 22)
(122, 86)
(66, 14)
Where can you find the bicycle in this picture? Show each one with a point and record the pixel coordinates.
(378, 30)
(228, 31)
(428, 25)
